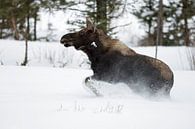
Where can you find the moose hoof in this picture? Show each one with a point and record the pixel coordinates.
(90, 85)
(87, 79)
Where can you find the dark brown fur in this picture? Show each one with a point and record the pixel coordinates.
(112, 61)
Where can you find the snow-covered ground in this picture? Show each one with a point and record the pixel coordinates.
(47, 97)
(53, 98)
(56, 55)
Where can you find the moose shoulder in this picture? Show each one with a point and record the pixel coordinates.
(113, 62)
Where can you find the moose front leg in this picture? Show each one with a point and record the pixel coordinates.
(92, 84)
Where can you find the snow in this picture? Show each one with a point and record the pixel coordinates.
(41, 54)
(49, 93)
(56, 55)
(48, 98)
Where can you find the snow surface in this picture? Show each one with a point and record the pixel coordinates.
(53, 98)
(48, 98)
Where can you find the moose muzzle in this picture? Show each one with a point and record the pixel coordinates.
(66, 42)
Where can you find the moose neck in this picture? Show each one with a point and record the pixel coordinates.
(95, 52)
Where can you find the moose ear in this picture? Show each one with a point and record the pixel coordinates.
(90, 25)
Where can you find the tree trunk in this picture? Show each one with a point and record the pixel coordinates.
(25, 34)
(159, 38)
(101, 6)
(14, 28)
(28, 21)
(35, 26)
(28, 27)
(161, 22)
(1, 28)
(26, 51)
(185, 17)
(150, 26)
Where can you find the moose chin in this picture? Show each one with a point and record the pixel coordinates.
(114, 62)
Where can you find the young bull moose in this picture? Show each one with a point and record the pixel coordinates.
(113, 62)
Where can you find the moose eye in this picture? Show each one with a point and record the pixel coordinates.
(90, 31)
(82, 33)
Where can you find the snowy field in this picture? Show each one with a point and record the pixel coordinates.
(54, 98)
(56, 55)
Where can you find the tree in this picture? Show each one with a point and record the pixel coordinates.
(148, 14)
(187, 12)
(177, 19)
(102, 12)
(13, 17)
(179, 16)
(25, 34)
(159, 38)
(35, 17)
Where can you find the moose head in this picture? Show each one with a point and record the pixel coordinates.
(85, 39)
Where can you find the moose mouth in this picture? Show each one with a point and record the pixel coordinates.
(76, 47)
(80, 48)
(67, 45)
(70, 44)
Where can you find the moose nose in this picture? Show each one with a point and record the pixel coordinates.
(62, 40)
(67, 45)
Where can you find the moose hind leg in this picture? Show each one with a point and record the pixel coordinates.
(167, 89)
(90, 86)
(161, 89)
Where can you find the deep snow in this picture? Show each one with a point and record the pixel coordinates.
(48, 98)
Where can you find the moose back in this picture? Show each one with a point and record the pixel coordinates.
(114, 62)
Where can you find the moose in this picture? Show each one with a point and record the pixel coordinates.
(114, 62)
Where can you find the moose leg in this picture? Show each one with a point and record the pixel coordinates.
(90, 84)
